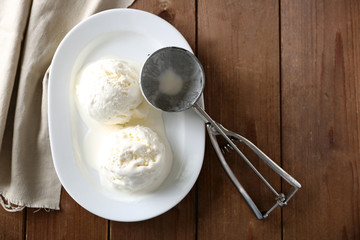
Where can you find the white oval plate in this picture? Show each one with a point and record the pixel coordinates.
(132, 35)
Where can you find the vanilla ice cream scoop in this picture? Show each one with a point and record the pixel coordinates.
(135, 159)
(108, 90)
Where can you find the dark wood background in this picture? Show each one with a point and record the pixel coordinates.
(283, 73)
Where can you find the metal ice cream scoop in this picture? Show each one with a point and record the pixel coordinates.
(172, 80)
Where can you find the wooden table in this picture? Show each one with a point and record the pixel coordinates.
(284, 74)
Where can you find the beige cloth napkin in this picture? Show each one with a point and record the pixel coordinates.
(30, 32)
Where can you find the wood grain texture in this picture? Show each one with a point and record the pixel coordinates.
(181, 14)
(11, 225)
(238, 44)
(320, 115)
(71, 222)
(179, 222)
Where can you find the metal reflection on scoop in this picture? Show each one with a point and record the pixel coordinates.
(172, 80)
(177, 62)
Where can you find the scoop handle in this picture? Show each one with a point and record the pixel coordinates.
(223, 162)
(208, 119)
(214, 129)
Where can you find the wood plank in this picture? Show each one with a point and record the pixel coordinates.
(179, 222)
(320, 117)
(181, 14)
(11, 224)
(238, 44)
(71, 222)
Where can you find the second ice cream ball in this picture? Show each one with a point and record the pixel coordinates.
(135, 159)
